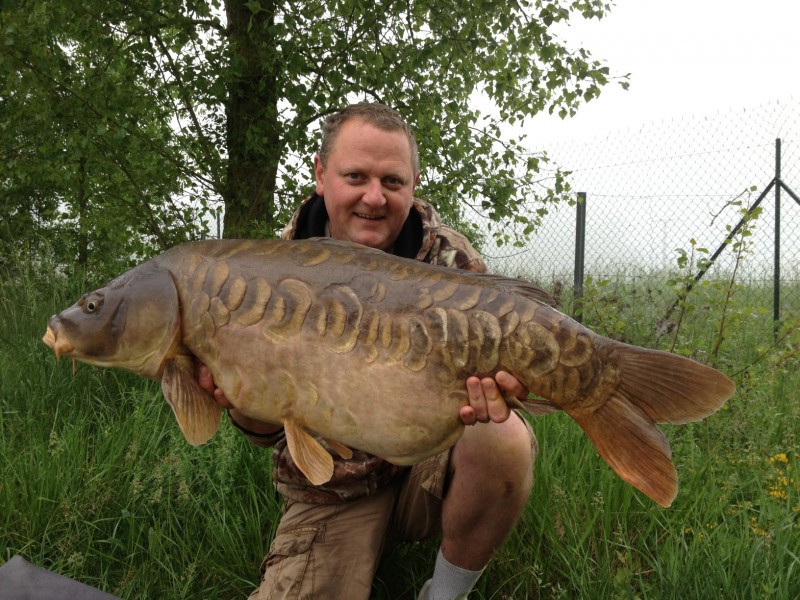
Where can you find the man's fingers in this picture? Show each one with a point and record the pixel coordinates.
(496, 408)
(206, 381)
(204, 378)
(467, 415)
(477, 400)
(222, 399)
(510, 384)
(486, 402)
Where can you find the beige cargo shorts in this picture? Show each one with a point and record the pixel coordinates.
(331, 551)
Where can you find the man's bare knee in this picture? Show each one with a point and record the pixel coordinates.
(500, 454)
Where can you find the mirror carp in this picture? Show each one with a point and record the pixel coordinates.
(366, 350)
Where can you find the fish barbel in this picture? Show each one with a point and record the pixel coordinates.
(327, 339)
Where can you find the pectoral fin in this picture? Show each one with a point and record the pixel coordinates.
(196, 411)
(311, 458)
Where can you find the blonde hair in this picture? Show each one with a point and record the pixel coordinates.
(379, 115)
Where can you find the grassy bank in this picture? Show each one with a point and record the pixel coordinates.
(98, 483)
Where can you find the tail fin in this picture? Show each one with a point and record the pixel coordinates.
(655, 387)
(671, 388)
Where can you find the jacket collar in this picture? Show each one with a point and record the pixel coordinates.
(312, 220)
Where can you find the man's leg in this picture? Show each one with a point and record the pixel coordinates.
(325, 551)
(472, 496)
(491, 473)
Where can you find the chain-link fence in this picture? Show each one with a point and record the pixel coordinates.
(662, 199)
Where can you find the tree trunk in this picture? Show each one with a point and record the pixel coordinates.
(253, 134)
(83, 206)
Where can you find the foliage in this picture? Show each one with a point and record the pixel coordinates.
(126, 126)
(739, 242)
(91, 165)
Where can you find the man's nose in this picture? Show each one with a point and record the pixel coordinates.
(373, 194)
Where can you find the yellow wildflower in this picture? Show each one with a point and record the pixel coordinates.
(756, 529)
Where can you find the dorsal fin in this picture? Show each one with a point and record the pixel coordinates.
(521, 287)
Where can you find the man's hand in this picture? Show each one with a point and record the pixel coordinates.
(206, 381)
(486, 401)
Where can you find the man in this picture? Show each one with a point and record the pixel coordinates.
(330, 537)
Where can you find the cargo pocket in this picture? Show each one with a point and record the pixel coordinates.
(287, 567)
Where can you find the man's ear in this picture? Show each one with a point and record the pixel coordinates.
(416, 181)
(319, 170)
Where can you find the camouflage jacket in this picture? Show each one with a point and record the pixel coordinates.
(424, 238)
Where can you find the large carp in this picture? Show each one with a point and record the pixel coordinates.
(366, 350)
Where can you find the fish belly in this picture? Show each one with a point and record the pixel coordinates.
(381, 408)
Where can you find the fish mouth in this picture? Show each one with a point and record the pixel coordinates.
(60, 345)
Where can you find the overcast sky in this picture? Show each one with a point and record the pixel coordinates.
(685, 57)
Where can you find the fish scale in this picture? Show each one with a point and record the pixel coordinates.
(369, 351)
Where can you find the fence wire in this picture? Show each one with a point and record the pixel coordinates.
(672, 189)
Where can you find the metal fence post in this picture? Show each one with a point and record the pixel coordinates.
(776, 284)
(580, 247)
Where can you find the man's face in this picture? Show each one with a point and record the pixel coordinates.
(368, 184)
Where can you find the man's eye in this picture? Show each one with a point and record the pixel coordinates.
(354, 176)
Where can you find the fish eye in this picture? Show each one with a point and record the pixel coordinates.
(91, 305)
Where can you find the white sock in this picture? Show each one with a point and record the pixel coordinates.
(450, 581)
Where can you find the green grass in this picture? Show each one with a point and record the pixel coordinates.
(99, 485)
